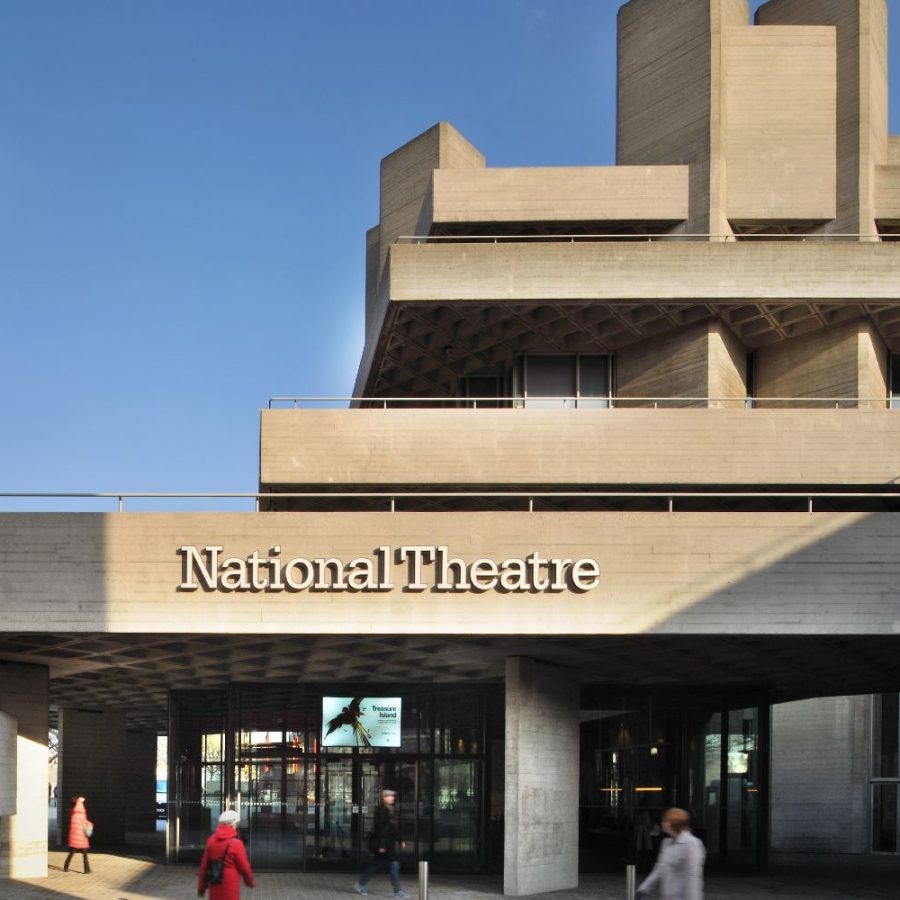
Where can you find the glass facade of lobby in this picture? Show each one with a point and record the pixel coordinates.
(644, 752)
(308, 807)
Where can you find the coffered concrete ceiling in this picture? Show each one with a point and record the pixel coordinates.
(135, 671)
(426, 348)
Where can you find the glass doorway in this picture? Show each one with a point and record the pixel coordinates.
(643, 753)
(349, 790)
(270, 786)
(332, 837)
(305, 807)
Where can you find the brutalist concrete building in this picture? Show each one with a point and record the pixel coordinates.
(611, 524)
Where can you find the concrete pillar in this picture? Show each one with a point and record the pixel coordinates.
(93, 763)
(542, 768)
(23, 829)
(142, 784)
(820, 742)
(9, 727)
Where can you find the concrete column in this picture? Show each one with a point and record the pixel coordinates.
(817, 744)
(93, 763)
(142, 783)
(9, 726)
(23, 829)
(542, 767)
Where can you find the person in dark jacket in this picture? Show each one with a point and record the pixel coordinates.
(385, 844)
(225, 844)
(80, 829)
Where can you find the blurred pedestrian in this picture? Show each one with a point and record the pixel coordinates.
(80, 830)
(385, 844)
(678, 872)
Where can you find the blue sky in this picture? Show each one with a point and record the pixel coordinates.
(185, 187)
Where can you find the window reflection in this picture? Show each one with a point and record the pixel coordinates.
(563, 380)
(643, 754)
(307, 807)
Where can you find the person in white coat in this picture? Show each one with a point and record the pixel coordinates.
(678, 872)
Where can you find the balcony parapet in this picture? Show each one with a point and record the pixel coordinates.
(570, 402)
(644, 270)
(492, 448)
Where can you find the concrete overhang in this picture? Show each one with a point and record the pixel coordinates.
(669, 271)
(450, 308)
(608, 194)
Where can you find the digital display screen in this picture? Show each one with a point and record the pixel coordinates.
(360, 721)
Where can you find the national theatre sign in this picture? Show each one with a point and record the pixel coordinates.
(408, 568)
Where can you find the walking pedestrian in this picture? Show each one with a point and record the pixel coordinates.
(226, 847)
(678, 872)
(80, 830)
(385, 844)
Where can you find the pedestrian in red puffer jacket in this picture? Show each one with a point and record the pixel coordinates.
(225, 844)
(80, 827)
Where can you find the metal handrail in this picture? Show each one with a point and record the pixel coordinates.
(522, 402)
(393, 496)
(679, 236)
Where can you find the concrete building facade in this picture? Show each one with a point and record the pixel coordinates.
(615, 497)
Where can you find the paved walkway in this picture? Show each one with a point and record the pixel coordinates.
(125, 878)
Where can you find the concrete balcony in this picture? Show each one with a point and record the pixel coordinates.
(490, 197)
(626, 447)
(478, 303)
(664, 270)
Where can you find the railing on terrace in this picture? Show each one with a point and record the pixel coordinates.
(610, 402)
(526, 500)
(885, 238)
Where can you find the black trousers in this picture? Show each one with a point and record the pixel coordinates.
(84, 856)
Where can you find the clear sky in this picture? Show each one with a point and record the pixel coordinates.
(185, 187)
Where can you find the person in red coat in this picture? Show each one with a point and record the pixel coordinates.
(79, 826)
(225, 844)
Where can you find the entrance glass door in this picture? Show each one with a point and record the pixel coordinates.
(642, 754)
(331, 836)
(400, 776)
(271, 787)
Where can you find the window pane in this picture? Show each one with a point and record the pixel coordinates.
(456, 811)
(712, 778)
(549, 376)
(458, 724)
(593, 381)
(887, 732)
(895, 381)
(884, 818)
(484, 391)
(743, 785)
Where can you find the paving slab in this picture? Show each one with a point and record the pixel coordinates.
(120, 877)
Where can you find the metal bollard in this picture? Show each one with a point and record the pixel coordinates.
(423, 879)
(630, 882)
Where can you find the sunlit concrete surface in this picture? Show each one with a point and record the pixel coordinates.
(126, 878)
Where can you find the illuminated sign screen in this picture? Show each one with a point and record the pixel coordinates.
(360, 721)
